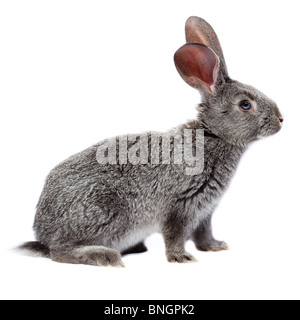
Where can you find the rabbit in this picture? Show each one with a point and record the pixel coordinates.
(92, 213)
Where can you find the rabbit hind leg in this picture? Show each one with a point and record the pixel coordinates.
(88, 255)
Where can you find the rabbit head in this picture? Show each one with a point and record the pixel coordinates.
(230, 110)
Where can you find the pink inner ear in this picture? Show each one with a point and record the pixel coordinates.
(197, 62)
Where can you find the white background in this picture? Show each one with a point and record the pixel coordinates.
(75, 72)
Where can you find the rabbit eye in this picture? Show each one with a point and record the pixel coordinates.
(245, 105)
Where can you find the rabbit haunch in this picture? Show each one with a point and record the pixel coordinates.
(90, 213)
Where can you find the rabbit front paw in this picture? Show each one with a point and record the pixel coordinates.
(180, 257)
(213, 245)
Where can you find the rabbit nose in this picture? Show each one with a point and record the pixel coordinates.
(278, 114)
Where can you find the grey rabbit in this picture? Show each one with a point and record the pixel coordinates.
(92, 212)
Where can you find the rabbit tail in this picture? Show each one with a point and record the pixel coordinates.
(35, 248)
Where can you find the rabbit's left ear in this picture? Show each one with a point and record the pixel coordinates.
(197, 30)
(198, 65)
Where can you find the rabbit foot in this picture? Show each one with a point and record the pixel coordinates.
(89, 255)
(111, 258)
(213, 246)
(176, 257)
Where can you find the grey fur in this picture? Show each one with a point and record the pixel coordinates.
(89, 213)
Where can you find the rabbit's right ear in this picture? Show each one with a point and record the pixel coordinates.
(198, 65)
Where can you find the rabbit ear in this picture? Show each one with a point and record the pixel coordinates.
(198, 30)
(198, 65)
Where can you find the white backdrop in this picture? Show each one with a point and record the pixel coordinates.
(75, 72)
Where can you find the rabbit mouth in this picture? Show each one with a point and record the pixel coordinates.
(269, 129)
